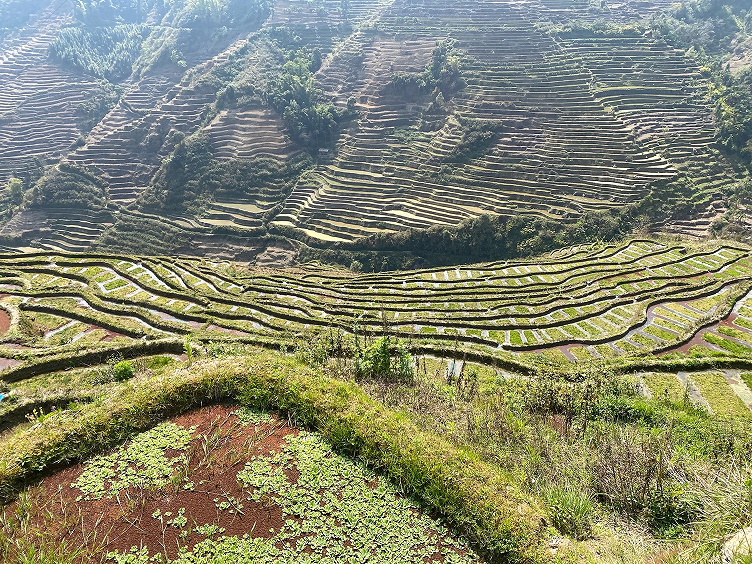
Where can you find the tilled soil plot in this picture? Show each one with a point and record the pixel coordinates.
(223, 484)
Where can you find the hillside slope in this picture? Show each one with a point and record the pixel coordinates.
(331, 121)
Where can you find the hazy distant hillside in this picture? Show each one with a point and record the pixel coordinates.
(234, 126)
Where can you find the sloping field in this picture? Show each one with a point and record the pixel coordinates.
(589, 359)
(576, 119)
(574, 136)
(580, 304)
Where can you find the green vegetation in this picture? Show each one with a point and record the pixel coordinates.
(294, 95)
(123, 370)
(142, 234)
(103, 52)
(719, 395)
(477, 137)
(68, 186)
(91, 111)
(708, 30)
(470, 494)
(581, 406)
(490, 439)
(441, 75)
(92, 12)
(570, 511)
(482, 238)
(376, 361)
(377, 523)
(190, 178)
(142, 463)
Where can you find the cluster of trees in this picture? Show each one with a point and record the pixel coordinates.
(91, 111)
(112, 34)
(477, 137)
(110, 12)
(708, 26)
(488, 237)
(67, 186)
(294, 95)
(733, 112)
(142, 235)
(478, 239)
(192, 177)
(222, 12)
(105, 52)
(15, 13)
(737, 221)
(442, 75)
(707, 29)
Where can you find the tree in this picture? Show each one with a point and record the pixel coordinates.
(15, 190)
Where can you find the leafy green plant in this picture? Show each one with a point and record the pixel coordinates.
(570, 510)
(382, 360)
(123, 370)
(670, 511)
(188, 349)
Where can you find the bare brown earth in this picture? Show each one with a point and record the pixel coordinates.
(4, 322)
(118, 524)
(59, 516)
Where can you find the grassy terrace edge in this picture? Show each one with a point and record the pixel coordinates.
(473, 497)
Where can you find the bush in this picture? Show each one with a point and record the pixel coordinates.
(570, 510)
(631, 468)
(123, 370)
(670, 511)
(380, 362)
(68, 186)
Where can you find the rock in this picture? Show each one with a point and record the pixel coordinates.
(740, 544)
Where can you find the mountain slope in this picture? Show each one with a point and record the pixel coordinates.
(334, 121)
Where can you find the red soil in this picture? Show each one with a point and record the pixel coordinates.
(119, 524)
(4, 322)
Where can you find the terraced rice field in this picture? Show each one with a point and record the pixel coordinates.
(585, 121)
(38, 100)
(668, 321)
(576, 136)
(578, 304)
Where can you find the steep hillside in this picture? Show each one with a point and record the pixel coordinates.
(332, 121)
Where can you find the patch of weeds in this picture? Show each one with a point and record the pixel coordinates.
(134, 556)
(332, 500)
(249, 416)
(333, 512)
(142, 463)
(123, 370)
(179, 521)
(231, 505)
(209, 530)
(570, 510)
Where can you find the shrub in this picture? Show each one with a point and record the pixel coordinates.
(123, 370)
(631, 468)
(380, 362)
(669, 511)
(570, 510)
